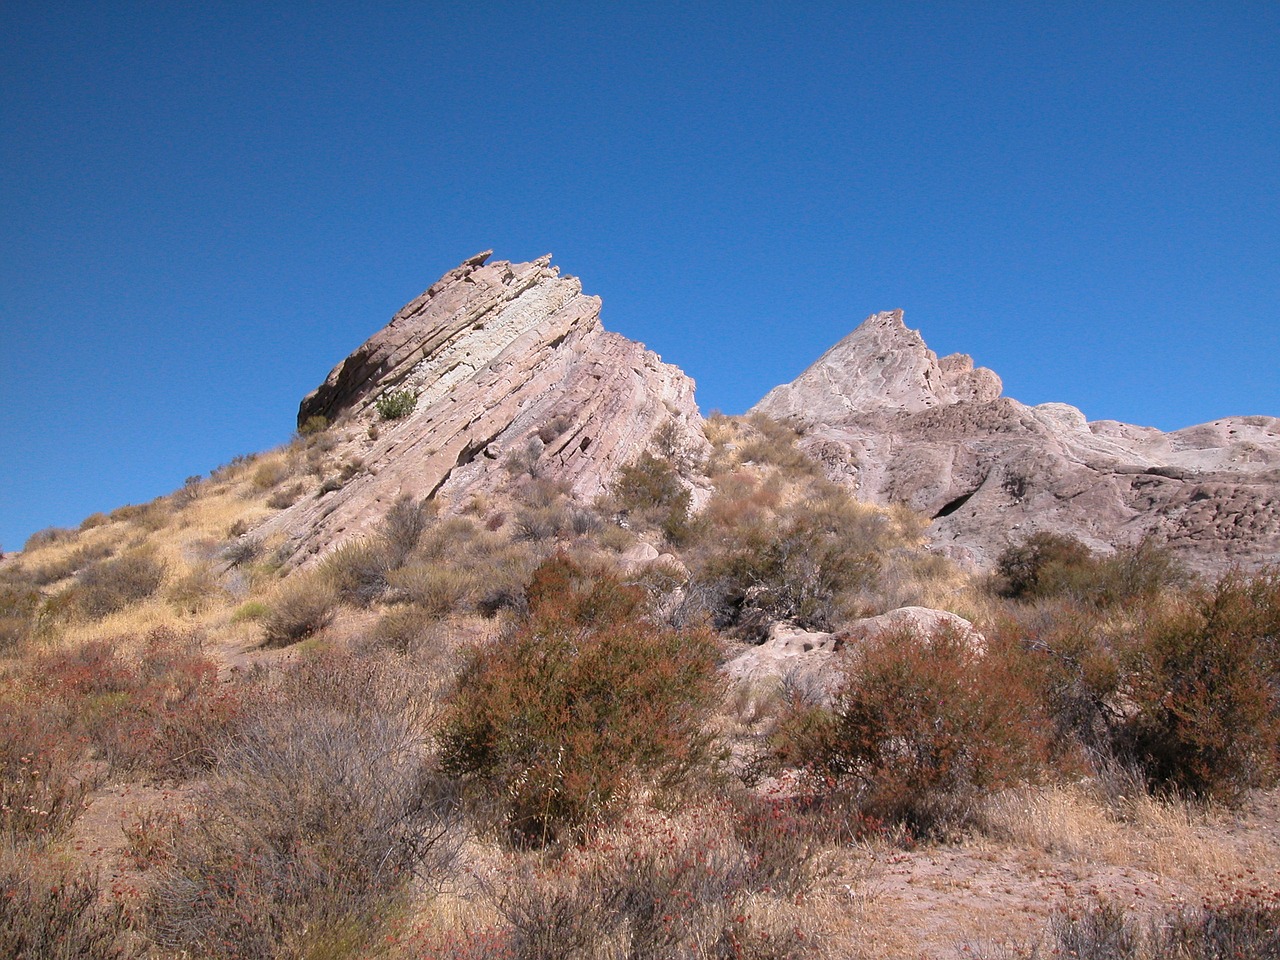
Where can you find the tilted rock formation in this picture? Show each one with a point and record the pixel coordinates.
(506, 360)
(896, 424)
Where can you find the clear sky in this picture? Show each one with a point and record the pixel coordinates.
(204, 207)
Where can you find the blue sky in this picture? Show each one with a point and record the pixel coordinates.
(205, 207)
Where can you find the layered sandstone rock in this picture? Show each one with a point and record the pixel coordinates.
(896, 424)
(507, 360)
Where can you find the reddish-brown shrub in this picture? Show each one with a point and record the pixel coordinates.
(1205, 684)
(156, 713)
(48, 914)
(580, 700)
(921, 727)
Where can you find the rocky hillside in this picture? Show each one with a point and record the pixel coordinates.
(892, 421)
(496, 365)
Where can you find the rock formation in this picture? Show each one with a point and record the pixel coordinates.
(895, 423)
(505, 360)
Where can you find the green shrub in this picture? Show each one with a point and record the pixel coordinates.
(563, 716)
(250, 610)
(649, 492)
(396, 404)
(1047, 565)
(921, 727)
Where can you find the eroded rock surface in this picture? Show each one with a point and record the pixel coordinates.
(507, 360)
(896, 424)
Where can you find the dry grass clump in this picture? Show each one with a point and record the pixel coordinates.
(1239, 926)
(714, 881)
(305, 605)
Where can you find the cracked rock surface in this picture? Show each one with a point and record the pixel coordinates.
(505, 359)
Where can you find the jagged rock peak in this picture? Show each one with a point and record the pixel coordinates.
(882, 365)
(507, 361)
(897, 426)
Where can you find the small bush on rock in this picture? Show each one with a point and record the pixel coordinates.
(396, 404)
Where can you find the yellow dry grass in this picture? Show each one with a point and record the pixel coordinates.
(1167, 837)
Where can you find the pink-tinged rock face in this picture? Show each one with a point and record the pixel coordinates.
(895, 424)
(503, 359)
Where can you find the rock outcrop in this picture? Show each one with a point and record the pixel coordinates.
(506, 360)
(888, 418)
(802, 659)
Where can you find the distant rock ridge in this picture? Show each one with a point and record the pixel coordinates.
(895, 424)
(505, 359)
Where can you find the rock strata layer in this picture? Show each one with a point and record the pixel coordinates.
(506, 360)
(889, 419)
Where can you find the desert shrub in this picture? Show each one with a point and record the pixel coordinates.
(1244, 925)
(313, 425)
(48, 537)
(460, 565)
(20, 600)
(396, 404)
(315, 816)
(94, 520)
(197, 589)
(1049, 565)
(243, 550)
(403, 526)
(437, 588)
(285, 497)
(1206, 691)
(270, 473)
(554, 427)
(52, 914)
(584, 697)
(153, 713)
(306, 605)
(775, 444)
(651, 888)
(649, 492)
(809, 563)
(358, 571)
(42, 788)
(921, 727)
(1100, 931)
(72, 562)
(107, 586)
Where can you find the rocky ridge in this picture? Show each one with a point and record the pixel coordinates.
(506, 360)
(896, 424)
